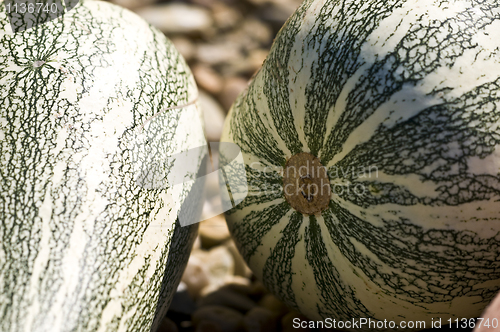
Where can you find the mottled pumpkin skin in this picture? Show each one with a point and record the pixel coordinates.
(400, 102)
(85, 246)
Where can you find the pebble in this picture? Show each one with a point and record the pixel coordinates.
(276, 12)
(243, 42)
(206, 3)
(240, 266)
(226, 319)
(196, 275)
(220, 264)
(250, 65)
(185, 47)
(181, 287)
(258, 289)
(182, 303)
(228, 280)
(207, 271)
(214, 116)
(256, 58)
(228, 297)
(197, 243)
(272, 303)
(178, 18)
(133, 4)
(232, 87)
(217, 53)
(240, 284)
(258, 2)
(258, 31)
(207, 326)
(213, 231)
(260, 320)
(207, 78)
(167, 326)
(225, 17)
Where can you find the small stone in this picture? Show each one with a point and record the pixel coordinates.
(290, 320)
(260, 320)
(272, 303)
(167, 326)
(240, 284)
(206, 3)
(229, 298)
(181, 287)
(186, 324)
(182, 303)
(256, 58)
(185, 47)
(258, 31)
(276, 12)
(250, 65)
(207, 326)
(207, 78)
(213, 231)
(240, 266)
(209, 289)
(177, 18)
(226, 319)
(133, 4)
(225, 17)
(231, 89)
(229, 280)
(258, 2)
(258, 289)
(196, 275)
(241, 39)
(197, 243)
(220, 264)
(214, 117)
(218, 53)
(211, 269)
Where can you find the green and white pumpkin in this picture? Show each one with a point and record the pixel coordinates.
(88, 102)
(397, 103)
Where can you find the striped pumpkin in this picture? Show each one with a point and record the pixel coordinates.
(86, 244)
(395, 105)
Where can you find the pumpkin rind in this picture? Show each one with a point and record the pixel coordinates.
(400, 101)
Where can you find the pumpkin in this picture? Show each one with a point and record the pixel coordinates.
(371, 145)
(89, 103)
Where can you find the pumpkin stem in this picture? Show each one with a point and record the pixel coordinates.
(306, 184)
